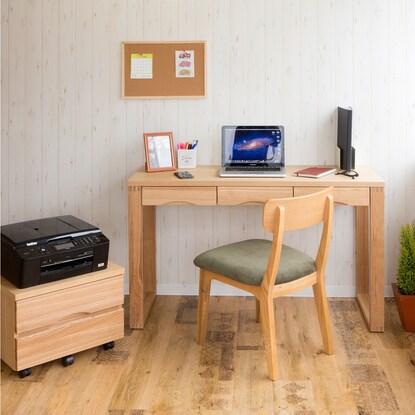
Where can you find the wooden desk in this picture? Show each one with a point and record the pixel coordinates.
(148, 190)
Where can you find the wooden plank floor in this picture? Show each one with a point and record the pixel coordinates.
(161, 369)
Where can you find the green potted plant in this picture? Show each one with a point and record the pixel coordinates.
(404, 288)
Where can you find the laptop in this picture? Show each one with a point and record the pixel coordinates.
(253, 151)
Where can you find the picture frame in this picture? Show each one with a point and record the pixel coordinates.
(159, 151)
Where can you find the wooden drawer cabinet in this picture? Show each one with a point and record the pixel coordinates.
(54, 320)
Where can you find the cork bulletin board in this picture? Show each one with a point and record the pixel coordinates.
(163, 69)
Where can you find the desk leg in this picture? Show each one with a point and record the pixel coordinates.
(135, 257)
(142, 257)
(370, 260)
(362, 260)
(377, 261)
(149, 258)
(362, 250)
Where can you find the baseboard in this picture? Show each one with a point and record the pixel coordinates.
(226, 290)
(223, 289)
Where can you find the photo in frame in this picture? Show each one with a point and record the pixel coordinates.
(159, 151)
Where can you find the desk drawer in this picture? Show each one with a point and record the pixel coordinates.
(155, 196)
(69, 304)
(251, 195)
(353, 196)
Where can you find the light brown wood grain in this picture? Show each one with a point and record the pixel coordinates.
(155, 196)
(362, 249)
(207, 188)
(62, 305)
(251, 195)
(377, 264)
(135, 254)
(353, 196)
(161, 369)
(68, 338)
(208, 175)
(49, 321)
(279, 216)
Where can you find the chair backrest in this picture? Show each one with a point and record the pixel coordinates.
(300, 212)
(280, 215)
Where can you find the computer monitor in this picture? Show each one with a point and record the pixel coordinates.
(344, 141)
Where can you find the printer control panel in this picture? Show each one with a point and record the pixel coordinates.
(62, 246)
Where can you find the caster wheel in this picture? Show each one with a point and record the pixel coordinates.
(109, 345)
(25, 372)
(67, 360)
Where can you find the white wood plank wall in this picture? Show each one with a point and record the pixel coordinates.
(69, 143)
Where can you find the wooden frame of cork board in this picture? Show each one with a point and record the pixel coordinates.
(164, 83)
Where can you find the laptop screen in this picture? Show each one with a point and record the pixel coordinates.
(253, 146)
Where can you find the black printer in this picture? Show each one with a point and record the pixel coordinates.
(44, 250)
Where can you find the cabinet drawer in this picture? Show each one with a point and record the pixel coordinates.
(68, 304)
(353, 196)
(251, 195)
(154, 196)
(65, 339)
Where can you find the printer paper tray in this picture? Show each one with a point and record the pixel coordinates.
(55, 272)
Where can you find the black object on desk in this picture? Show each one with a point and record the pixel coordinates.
(183, 175)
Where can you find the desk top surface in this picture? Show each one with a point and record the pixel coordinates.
(209, 176)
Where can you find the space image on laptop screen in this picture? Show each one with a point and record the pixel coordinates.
(261, 146)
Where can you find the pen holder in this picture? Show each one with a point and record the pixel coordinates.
(186, 159)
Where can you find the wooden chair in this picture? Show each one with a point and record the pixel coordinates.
(269, 269)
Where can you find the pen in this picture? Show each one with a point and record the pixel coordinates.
(187, 145)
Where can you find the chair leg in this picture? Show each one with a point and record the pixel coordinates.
(257, 310)
(202, 313)
(270, 339)
(323, 316)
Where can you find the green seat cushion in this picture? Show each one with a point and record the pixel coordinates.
(246, 262)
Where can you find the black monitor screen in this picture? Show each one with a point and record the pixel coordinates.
(344, 138)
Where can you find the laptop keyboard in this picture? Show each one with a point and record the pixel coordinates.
(251, 168)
